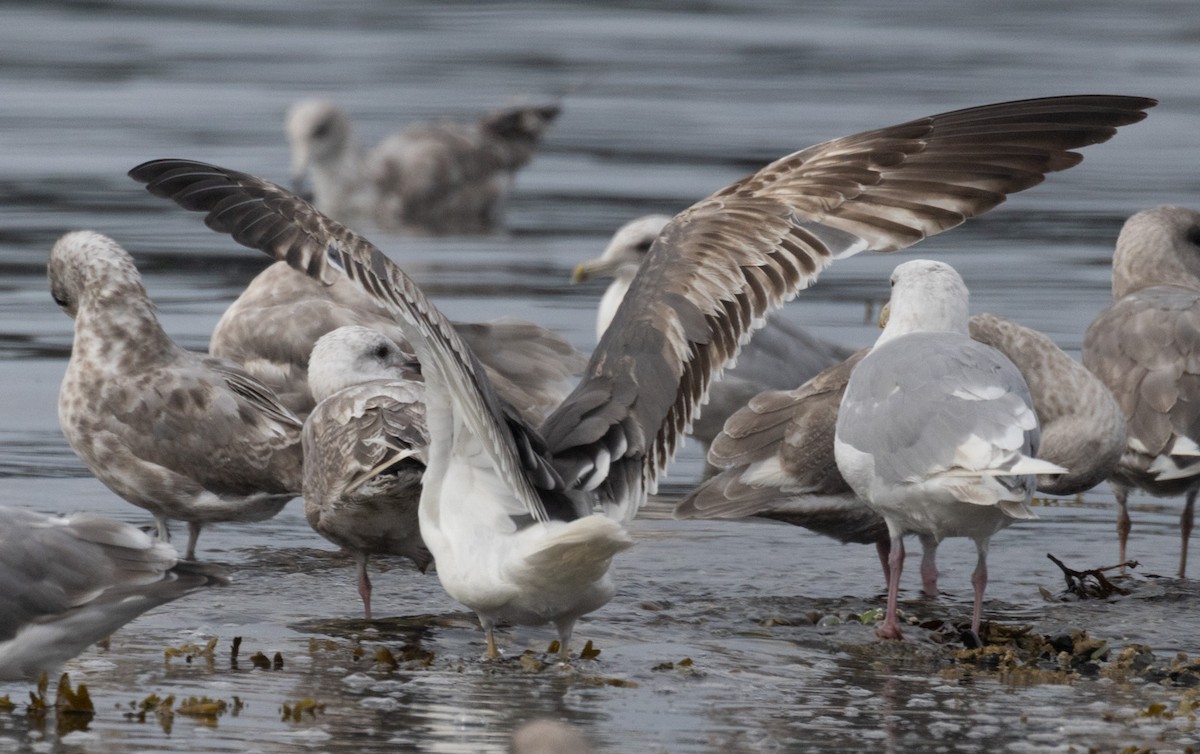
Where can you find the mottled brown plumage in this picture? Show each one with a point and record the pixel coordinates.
(184, 436)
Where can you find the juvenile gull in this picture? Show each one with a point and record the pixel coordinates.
(1146, 348)
(523, 523)
(777, 458)
(365, 449)
(181, 435)
(937, 432)
(437, 177)
(780, 356)
(66, 583)
(272, 326)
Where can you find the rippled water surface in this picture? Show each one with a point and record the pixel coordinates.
(724, 636)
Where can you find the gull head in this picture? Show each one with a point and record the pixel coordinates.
(353, 355)
(626, 250)
(318, 132)
(926, 296)
(1159, 246)
(86, 264)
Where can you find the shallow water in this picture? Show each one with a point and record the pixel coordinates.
(663, 104)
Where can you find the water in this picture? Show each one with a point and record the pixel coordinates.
(663, 104)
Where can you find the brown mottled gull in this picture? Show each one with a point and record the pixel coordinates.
(365, 448)
(271, 328)
(66, 583)
(936, 431)
(184, 436)
(524, 522)
(438, 177)
(777, 461)
(1146, 348)
(780, 356)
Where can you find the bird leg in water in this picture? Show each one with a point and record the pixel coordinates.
(979, 582)
(1185, 530)
(1123, 523)
(193, 536)
(364, 585)
(929, 573)
(891, 624)
(492, 652)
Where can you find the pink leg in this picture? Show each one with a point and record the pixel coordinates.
(193, 536)
(1185, 529)
(883, 549)
(1123, 522)
(891, 622)
(364, 586)
(979, 581)
(929, 572)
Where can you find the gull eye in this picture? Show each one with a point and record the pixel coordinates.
(381, 351)
(323, 128)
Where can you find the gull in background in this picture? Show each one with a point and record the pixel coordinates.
(365, 449)
(68, 582)
(1146, 348)
(937, 432)
(780, 356)
(438, 177)
(184, 436)
(524, 522)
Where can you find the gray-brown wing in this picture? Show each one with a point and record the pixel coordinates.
(1146, 348)
(720, 265)
(212, 424)
(1082, 427)
(779, 446)
(358, 433)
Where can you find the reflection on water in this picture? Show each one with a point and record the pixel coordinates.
(724, 636)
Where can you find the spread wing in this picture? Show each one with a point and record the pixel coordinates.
(722, 264)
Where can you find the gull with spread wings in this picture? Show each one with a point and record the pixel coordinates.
(524, 522)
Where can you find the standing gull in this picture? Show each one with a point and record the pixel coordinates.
(272, 326)
(1146, 348)
(66, 583)
(936, 431)
(365, 449)
(780, 356)
(181, 435)
(777, 460)
(523, 523)
(438, 177)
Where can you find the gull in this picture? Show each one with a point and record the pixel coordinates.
(184, 436)
(1145, 348)
(365, 449)
(438, 177)
(780, 356)
(937, 432)
(524, 523)
(271, 328)
(777, 460)
(68, 582)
